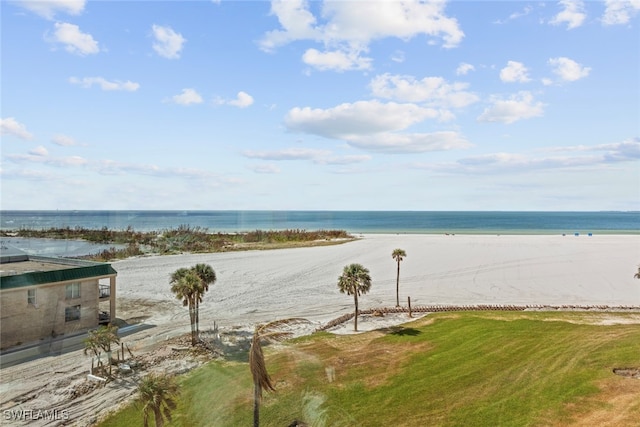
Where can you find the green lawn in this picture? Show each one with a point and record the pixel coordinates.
(447, 369)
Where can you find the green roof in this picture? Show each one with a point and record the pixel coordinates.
(62, 275)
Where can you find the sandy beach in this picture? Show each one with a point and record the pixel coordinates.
(260, 286)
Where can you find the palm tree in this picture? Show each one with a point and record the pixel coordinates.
(99, 340)
(355, 280)
(261, 381)
(207, 277)
(398, 255)
(186, 285)
(157, 394)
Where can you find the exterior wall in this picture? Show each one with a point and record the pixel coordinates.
(21, 322)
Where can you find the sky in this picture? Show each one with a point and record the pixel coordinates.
(320, 105)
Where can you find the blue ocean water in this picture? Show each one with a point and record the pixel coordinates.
(481, 222)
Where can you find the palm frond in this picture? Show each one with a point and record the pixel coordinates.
(269, 332)
(275, 324)
(258, 367)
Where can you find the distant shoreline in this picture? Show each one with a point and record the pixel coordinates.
(353, 222)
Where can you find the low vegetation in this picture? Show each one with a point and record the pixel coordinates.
(185, 238)
(446, 369)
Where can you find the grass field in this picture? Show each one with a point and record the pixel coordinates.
(448, 369)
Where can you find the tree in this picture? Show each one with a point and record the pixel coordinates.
(157, 394)
(99, 340)
(398, 255)
(355, 280)
(186, 285)
(273, 332)
(189, 285)
(207, 277)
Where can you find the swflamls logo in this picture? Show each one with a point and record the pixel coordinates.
(20, 414)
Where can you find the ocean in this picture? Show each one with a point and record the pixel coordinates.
(481, 222)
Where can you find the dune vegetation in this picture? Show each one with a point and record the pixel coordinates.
(129, 242)
(446, 369)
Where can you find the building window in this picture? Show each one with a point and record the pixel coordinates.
(72, 313)
(72, 290)
(31, 296)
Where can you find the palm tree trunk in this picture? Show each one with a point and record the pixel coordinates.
(355, 321)
(157, 414)
(398, 286)
(197, 318)
(256, 403)
(192, 318)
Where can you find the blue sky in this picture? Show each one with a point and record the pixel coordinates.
(343, 105)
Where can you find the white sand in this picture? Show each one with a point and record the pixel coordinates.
(258, 286)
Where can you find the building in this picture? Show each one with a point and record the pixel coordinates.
(44, 297)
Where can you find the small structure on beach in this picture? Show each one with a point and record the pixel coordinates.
(44, 297)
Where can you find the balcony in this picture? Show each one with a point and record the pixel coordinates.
(104, 291)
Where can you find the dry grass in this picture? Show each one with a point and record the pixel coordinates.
(616, 405)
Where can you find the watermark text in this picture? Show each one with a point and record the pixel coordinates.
(20, 414)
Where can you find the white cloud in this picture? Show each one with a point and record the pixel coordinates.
(464, 68)
(322, 157)
(373, 125)
(242, 100)
(398, 56)
(349, 27)
(432, 91)
(514, 72)
(518, 162)
(39, 151)
(620, 11)
(187, 97)
(572, 14)
(40, 156)
(605, 154)
(168, 43)
(48, 8)
(343, 160)
(63, 140)
(518, 107)
(11, 126)
(620, 151)
(613, 152)
(502, 162)
(29, 174)
(104, 84)
(297, 23)
(287, 154)
(527, 10)
(75, 41)
(411, 142)
(265, 168)
(111, 167)
(362, 22)
(336, 60)
(568, 69)
(359, 118)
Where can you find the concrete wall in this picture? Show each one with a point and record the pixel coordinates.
(21, 322)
